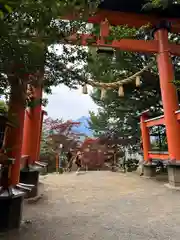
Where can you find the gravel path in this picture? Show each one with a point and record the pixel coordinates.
(102, 205)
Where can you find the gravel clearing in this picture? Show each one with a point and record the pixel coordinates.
(101, 205)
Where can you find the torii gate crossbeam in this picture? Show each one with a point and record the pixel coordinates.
(133, 45)
(134, 20)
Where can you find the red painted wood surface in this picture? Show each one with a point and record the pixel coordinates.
(169, 94)
(116, 18)
(155, 121)
(161, 156)
(14, 135)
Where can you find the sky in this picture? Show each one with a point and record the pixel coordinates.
(69, 104)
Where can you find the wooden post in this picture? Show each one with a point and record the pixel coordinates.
(104, 29)
(40, 133)
(32, 127)
(57, 163)
(168, 93)
(36, 124)
(145, 136)
(26, 146)
(14, 135)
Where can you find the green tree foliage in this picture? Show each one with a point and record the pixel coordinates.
(160, 3)
(30, 31)
(29, 28)
(3, 107)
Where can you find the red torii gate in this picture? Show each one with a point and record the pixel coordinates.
(159, 45)
(146, 123)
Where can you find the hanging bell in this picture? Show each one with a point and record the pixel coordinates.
(121, 91)
(84, 89)
(138, 81)
(103, 93)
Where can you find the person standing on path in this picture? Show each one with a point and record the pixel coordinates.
(78, 161)
(142, 161)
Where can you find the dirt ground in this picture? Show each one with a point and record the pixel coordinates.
(101, 205)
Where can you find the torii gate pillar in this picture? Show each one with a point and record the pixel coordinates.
(145, 136)
(32, 128)
(43, 113)
(31, 136)
(170, 102)
(149, 168)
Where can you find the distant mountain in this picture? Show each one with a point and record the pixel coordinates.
(83, 127)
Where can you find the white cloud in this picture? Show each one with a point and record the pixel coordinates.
(69, 104)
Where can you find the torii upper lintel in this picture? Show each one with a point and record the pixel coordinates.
(132, 14)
